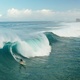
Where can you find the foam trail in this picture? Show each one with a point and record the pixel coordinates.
(68, 30)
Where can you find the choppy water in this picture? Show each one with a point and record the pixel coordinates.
(51, 50)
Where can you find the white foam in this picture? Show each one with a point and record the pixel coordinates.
(68, 30)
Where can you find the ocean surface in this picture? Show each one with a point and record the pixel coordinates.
(51, 50)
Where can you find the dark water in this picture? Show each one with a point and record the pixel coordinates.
(63, 62)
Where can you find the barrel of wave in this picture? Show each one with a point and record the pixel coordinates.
(38, 46)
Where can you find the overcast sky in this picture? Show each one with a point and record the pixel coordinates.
(39, 10)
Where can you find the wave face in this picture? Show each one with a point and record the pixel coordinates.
(52, 37)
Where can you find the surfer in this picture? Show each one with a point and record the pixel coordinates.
(22, 64)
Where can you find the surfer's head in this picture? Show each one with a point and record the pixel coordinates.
(21, 60)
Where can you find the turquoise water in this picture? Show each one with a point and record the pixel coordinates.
(48, 56)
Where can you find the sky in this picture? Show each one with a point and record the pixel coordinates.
(39, 10)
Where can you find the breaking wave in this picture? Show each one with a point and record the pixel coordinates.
(32, 47)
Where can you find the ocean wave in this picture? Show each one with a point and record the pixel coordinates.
(32, 47)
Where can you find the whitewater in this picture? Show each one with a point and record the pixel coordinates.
(48, 48)
(69, 30)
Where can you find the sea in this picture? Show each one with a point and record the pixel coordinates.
(49, 49)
